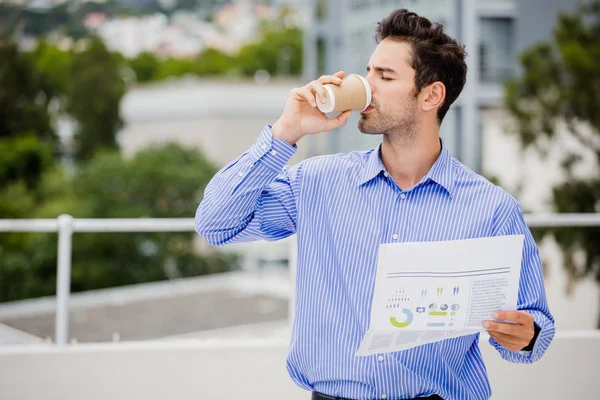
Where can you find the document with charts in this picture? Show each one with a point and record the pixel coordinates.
(431, 291)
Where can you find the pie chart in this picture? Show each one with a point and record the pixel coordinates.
(408, 318)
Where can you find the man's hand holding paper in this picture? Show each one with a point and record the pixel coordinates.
(516, 334)
(431, 291)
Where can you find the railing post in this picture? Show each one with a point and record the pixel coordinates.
(63, 278)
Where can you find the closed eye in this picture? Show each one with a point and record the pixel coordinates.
(386, 79)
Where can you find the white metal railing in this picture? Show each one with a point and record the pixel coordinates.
(66, 225)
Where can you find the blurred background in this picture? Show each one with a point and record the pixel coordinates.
(112, 110)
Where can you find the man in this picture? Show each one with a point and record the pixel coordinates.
(342, 207)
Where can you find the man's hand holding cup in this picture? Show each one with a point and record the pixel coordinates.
(304, 111)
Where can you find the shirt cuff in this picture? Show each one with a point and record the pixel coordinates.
(274, 153)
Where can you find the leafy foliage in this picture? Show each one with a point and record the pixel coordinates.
(560, 90)
(145, 66)
(158, 182)
(23, 101)
(95, 93)
(278, 50)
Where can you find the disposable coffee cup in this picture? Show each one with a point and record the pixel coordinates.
(354, 93)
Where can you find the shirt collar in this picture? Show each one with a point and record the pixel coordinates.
(440, 172)
(373, 167)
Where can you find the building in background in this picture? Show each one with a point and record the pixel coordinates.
(220, 117)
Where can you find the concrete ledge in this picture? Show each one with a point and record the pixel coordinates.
(253, 369)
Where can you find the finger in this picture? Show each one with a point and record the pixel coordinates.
(338, 121)
(304, 94)
(520, 334)
(520, 317)
(500, 339)
(318, 88)
(339, 74)
(513, 340)
(335, 79)
(509, 329)
(505, 344)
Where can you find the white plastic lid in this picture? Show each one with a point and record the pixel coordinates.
(329, 105)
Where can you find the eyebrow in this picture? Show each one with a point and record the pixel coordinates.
(382, 69)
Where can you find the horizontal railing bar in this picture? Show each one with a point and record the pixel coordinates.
(101, 225)
(562, 220)
(134, 225)
(187, 224)
(28, 225)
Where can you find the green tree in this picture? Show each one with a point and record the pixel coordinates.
(26, 148)
(95, 94)
(214, 62)
(158, 182)
(26, 136)
(16, 201)
(23, 158)
(279, 51)
(53, 65)
(173, 67)
(560, 89)
(23, 102)
(145, 66)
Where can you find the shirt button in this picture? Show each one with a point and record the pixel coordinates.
(274, 153)
(240, 174)
(380, 358)
(402, 196)
(386, 174)
(264, 146)
(384, 396)
(395, 237)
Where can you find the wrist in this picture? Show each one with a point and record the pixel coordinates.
(281, 131)
(536, 332)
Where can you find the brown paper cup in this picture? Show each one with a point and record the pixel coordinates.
(354, 93)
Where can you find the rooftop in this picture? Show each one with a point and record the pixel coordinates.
(179, 308)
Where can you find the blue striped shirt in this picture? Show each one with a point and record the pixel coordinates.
(342, 207)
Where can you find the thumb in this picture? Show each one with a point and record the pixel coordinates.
(338, 121)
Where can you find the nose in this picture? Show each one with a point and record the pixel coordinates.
(371, 80)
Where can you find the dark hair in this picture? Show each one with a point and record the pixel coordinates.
(435, 55)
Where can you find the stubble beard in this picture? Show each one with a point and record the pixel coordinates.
(399, 128)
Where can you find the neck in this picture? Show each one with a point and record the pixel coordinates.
(409, 161)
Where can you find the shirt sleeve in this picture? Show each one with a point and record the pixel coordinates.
(253, 197)
(532, 294)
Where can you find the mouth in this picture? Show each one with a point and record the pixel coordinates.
(366, 110)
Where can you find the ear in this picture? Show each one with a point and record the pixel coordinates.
(434, 96)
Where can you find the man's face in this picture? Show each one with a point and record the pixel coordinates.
(393, 109)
